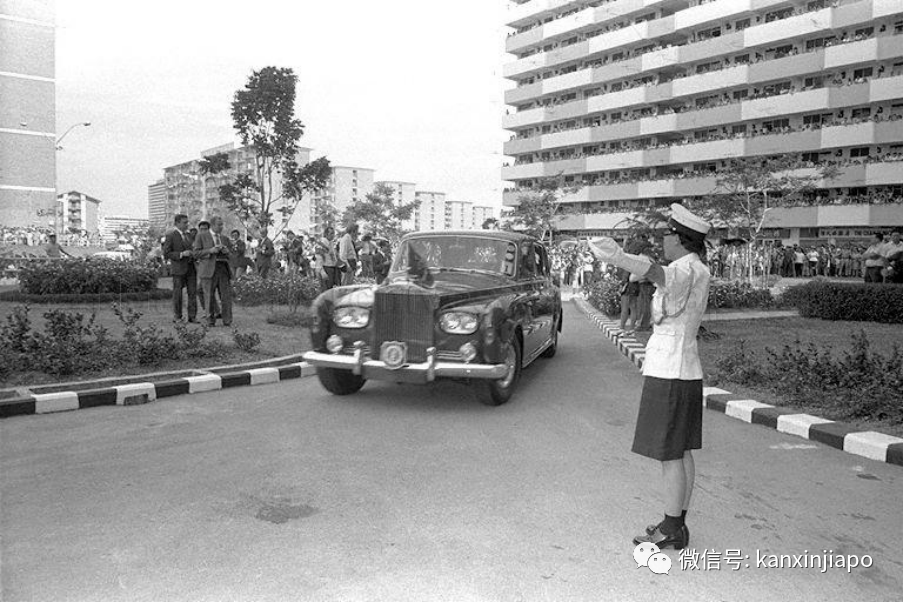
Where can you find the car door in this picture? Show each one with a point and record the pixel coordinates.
(546, 306)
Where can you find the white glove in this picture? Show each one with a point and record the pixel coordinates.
(608, 250)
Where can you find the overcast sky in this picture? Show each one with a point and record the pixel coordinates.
(410, 88)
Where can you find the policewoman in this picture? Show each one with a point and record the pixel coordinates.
(669, 424)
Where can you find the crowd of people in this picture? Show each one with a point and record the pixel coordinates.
(32, 236)
(203, 261)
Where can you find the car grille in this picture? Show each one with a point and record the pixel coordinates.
(405, 313)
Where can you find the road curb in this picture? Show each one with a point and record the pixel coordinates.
(839, 435)
(136, 393)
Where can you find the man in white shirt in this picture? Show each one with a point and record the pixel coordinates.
(893, 255)
(348, 254)
(874, 259)
(669, 424)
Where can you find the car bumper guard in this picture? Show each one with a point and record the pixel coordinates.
(426, 371)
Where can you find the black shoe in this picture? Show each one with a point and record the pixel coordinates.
(650, 529)
(678, 540)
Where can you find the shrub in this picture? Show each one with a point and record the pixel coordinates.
(246, 341)
(604, 295)
(293, 290)
(867, 302)
(857, 383)
(144, 344)
(69, 344)
(733, 294)
(20, 297)
(80, 277)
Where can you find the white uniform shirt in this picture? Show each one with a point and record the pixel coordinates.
(677, 309)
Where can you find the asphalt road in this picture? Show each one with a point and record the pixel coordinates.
(283, 492)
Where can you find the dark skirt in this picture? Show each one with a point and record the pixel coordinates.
(670, 418)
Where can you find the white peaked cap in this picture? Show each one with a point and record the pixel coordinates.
(684, 217)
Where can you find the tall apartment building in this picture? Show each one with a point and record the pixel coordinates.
(156, 204)
(405, 193)
(27, 115)
(429, 214)
(346, 186)
(640, 102)
(195, 194)
(78, 213)
(479, 214)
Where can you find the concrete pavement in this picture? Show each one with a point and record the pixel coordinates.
(283, 492)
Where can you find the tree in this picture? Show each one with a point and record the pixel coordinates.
(490, 223)
(380, 213)
(750, 188)
(264, 115)
(539, 211)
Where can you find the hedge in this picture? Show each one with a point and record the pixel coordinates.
(278, 289)
(857, 301)
(79, 277)
(605, 296)
(20, 297)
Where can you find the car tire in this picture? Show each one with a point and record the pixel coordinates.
(497, 392)
(552, 349)
(340, 382)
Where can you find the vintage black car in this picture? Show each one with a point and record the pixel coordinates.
(475, 305)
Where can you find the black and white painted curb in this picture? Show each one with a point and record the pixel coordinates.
(144, 392)
(876, 446)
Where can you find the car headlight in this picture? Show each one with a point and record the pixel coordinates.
(459, 322)
(351, 317)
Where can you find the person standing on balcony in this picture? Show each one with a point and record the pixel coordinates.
(669, 423)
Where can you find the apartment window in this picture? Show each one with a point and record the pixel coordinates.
(709, 167)
(775, 124)
(778, 14)
(860, 151)
(741, 24)
(865, 72)
(617, 56)
(809, 157)
(740, 94)
(616, 87)
(649, 17)
(865, 31)
(813, 82)
(707, 34)
(862, 113)
(706, 67)
(812, 119)
(738, 129)
(783, 51)
(817, 4)
(743, 59)
(898, 27)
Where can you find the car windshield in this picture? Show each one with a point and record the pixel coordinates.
(471, 253)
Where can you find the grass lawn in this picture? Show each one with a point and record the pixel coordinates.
(275, 340)
(775, 332)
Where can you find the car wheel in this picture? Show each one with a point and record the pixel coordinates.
(552, 349)
(497, 392)
(340, 382)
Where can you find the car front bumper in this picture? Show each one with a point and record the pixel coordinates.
(420, 372)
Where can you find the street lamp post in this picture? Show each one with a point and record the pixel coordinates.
(71, 127)
(58, 219)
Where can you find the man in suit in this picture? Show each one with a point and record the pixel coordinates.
(237, 256)
(265, 252)
(177, 249)
(212, 249)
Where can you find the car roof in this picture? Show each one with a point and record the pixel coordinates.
(493, 234)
